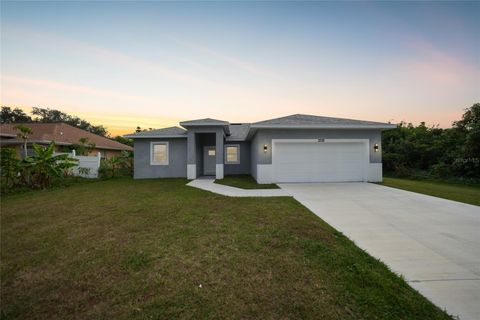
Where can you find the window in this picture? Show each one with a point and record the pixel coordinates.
(159, 153)
(232, 154)
(211, 152)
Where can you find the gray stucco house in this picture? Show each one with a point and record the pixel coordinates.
(296, 148)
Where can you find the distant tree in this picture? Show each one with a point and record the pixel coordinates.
(51, 115)
(24, 133)
(139, 129)
(128, 142)
(9, 115)
(470, 125)
(412, 150)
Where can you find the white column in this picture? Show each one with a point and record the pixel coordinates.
(191, 171)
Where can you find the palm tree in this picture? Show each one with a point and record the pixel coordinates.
(24, 133)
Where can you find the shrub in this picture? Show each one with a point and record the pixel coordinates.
(402, 171)
(441, 170)
(105, 169)
(117, 166)
(10, 166)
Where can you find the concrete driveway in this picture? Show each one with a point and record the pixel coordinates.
(434, 243)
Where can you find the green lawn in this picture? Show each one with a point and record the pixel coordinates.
(457, 192)
(157, 249)
(244, 182)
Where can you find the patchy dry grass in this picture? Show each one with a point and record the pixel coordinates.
(124, 249)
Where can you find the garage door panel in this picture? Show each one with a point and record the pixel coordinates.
(319, 162)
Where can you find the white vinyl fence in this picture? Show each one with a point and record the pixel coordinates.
(87, 166)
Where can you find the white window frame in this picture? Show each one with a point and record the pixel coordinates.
(238, 154)
(157, 163)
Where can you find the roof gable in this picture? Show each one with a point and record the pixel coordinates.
(207, 122)
(204, 122)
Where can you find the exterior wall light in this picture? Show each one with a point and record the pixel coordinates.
(375, 147)
(265, 148)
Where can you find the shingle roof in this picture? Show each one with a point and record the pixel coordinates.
(62, 133)
(238, 131)
(170, 132)
(304, 120)
(203, 122)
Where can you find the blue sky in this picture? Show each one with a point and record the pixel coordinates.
(154, 63)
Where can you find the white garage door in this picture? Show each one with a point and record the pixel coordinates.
(319, 161)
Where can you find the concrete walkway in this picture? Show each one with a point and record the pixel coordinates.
(434, 243)
(209, 185)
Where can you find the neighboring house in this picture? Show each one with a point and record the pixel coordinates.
(296, 148)
(63, 134)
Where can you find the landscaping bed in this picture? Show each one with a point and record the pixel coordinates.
(244, 182)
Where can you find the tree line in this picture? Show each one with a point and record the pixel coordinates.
(433, 152)
(47, 115)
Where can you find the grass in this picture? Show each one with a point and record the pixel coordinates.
(452, 191)
(157, 249)
(244, 182)
(7, 190)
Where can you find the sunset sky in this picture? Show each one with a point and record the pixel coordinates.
(123, 64)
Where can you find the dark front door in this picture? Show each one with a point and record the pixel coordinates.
(209, 160)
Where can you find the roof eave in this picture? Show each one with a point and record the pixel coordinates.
(7, 135)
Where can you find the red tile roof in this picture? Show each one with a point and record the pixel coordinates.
(63, 133)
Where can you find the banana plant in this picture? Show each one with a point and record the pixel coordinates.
(44, 165)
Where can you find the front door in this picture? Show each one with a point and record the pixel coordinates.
(209, 161)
